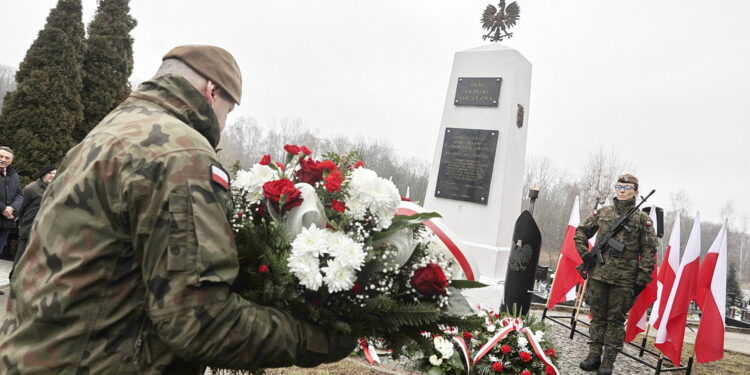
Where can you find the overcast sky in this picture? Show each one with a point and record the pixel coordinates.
(664, 83)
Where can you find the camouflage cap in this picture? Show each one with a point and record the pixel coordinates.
(628, 178)
(214, 63)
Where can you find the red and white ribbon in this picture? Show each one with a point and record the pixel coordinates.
(510, 326)
(447, 236)
(465, 349)
(369, 350)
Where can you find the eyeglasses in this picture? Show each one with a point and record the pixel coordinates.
(625, 187)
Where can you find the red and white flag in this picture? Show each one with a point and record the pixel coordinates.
(566, 276)
(669, 338)
(667, 274)
(638, 312)
(711, 298)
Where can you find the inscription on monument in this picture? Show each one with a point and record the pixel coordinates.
(466, 164)
(483, 91)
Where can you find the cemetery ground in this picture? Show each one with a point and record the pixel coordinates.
(570, 352)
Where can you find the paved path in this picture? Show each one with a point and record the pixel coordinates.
(4, 271)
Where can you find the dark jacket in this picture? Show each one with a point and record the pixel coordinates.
(10, 195)
(32, 199)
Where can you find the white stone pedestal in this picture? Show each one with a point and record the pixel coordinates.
(486, 229)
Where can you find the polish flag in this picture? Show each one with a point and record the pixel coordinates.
(667, 272)
(669, 338)
(710, 297)
(566, 276)
(637, 316)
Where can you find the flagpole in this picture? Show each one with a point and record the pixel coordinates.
(645, 339)
(552, 287)
(579, 302)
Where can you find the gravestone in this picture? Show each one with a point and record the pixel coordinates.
(476, 179)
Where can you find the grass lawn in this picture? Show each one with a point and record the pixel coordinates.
(732, 363)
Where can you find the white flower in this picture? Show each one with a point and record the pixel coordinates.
(346, 251)
(443, 346)
(367, 191)
(491, 328)
(435, 361)
(306, 267)
(522, 342)
(252, 181)
(312, 240)
(243, 180)
(338, 276)
(493, 358)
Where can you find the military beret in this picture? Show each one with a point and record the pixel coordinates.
(213, 63)
(628, 178)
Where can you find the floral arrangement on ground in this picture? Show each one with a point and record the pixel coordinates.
(321, 240)
(507, 344)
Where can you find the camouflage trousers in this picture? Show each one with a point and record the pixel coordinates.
(609, 307)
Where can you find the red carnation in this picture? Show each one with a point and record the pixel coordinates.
(430, 280)
(526, 372)
(265, 160)
(549, 370)
(281, 166)
(525, 356)
(292, 149)
(327, 165)
(305, 150)
(497, 367)
(358, 164)
(263, 268)
(550, 352)
(338, 206)
(497, 316)
(505, 349)
(310, 171)
(333, 181)
(467, 335)
(283, 193)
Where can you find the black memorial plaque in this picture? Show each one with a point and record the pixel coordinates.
(483, 92)
(466, 164)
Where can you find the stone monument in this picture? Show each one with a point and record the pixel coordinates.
(476, 179)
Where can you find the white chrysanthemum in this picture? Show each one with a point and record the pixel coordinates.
(522, 342)
(347, 251)
(493, 358)
(312, 240)
(243, 180)
(435, 361)
(338, 277)
(367, 191)
(443, 346)
(252, 181)
(306, 267)
(491, 328)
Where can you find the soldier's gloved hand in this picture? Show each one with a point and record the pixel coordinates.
(589, 259)
(322, 348)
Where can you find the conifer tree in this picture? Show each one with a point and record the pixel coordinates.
(107, 63)
(39, 116)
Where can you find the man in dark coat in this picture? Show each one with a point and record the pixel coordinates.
(11, 195)
(32, 199)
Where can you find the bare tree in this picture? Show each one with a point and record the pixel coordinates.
(598, 176)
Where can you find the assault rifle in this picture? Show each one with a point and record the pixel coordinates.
(608, 241)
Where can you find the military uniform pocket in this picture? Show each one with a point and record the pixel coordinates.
(182, 245)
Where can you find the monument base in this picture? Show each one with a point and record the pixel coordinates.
(489, 297)
(492, 261)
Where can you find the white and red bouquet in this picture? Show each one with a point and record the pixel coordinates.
(321, 239)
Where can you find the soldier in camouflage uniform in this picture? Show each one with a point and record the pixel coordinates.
(613, 286)
(129, 265)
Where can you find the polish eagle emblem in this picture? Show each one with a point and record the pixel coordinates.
(498, 20)
(520, 256)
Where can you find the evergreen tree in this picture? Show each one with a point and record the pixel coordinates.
(107, 63)
(733, 286)
(39, 116)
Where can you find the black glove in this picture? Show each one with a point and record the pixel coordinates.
(589, 259)
(337, 348)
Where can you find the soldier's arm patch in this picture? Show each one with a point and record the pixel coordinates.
(219, 176)
(649, 223)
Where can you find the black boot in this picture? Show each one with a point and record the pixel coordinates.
(605, 369)
(591, 362)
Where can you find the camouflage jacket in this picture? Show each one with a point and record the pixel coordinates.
(129, 265)
(637, 262)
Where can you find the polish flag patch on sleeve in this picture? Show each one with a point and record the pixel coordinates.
(219, 176)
